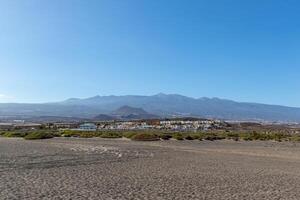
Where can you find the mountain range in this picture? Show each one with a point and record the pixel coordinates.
(159, 105)
(126, 113)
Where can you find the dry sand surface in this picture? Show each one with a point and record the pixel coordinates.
(70, 168)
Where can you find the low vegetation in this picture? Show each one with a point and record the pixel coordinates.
(111, 135)
(165, 136)
(145, 137)
(129, 135)
(178, 136)
(39, 135)
(30, 134)
(150, 135)
(13, 134)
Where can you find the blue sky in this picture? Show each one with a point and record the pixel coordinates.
(241, 50)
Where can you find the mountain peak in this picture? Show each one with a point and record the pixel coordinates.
(162, 94)
(128, 110)
(95, 97)
(71, 100)
(170, 95)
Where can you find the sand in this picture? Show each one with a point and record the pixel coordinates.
(71, 168)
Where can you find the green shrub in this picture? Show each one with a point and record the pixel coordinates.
(258, 136)
(14, 134)
(111, 135)
(145, 137)
(70, 133)
(213, 137)
(232, 136)
(196, 136)
(165, 136)
(83, 134)
(38, 135)
(279, 136)
(294, 138)
(264, 136)
(178, 136)
(129, 135)
(188, 137)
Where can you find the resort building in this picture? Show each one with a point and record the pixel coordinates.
(88, 127)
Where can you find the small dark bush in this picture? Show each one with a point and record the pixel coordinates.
(129, 134)
(189, 137)
(279, 137)
(70, 133)
(295, 138)
(83, 134)
(247, 139)
(195, 136)
(38, 135)
(214, 137)
(178, 136)
(145, 137)
(232, 136)
(165, 137)
(111, 135)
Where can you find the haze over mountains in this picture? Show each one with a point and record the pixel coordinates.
(126, 113)
(160, 105)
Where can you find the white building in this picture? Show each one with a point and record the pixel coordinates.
(88, 127)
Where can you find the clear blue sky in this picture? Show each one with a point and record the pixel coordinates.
(247, 50)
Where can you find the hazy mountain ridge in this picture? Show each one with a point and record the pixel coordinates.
(160, 104)
(126, 113)
(127, 110)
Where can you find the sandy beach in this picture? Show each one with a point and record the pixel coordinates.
(73, 168)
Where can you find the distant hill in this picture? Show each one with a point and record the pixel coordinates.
(163, 105)
(128, 112)
(125, 113)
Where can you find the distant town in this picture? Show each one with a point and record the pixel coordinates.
(187, 124)
(171, 124)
